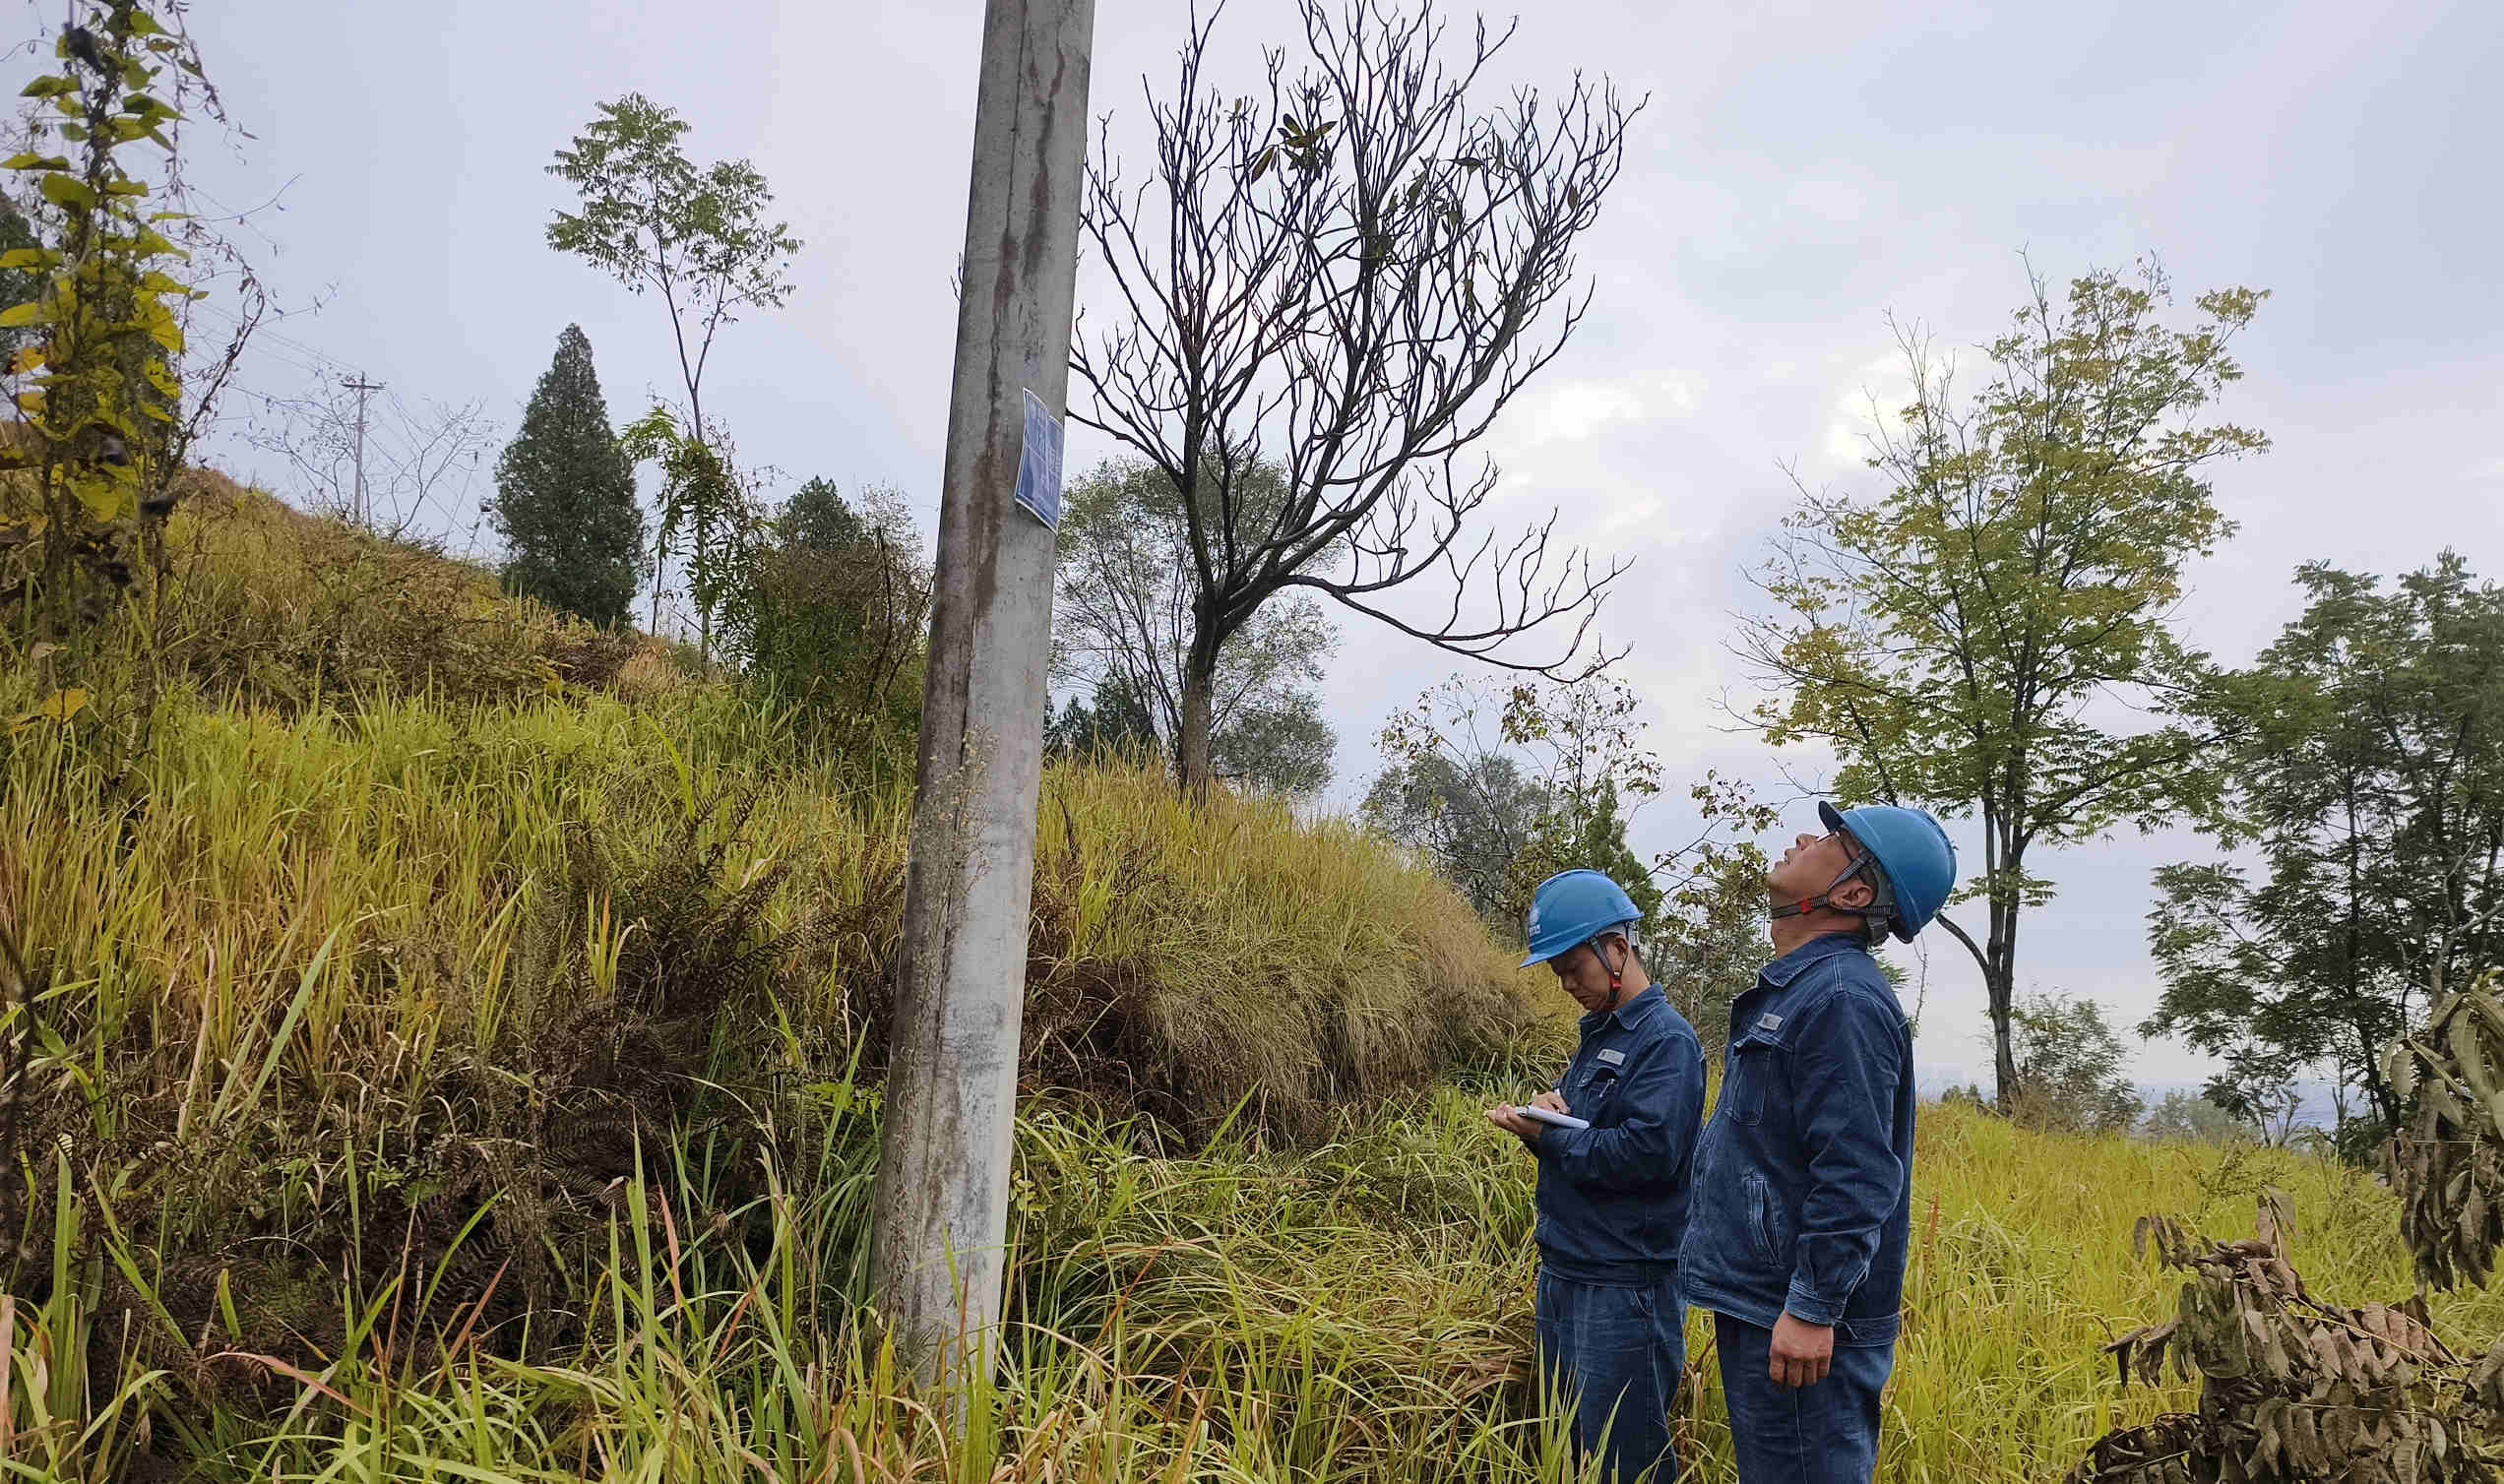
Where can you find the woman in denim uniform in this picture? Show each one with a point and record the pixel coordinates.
(1612, 1197)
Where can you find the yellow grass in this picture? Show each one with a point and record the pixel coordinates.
(302, 967)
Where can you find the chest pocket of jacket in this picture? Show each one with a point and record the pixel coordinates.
(1598, 1093)
(1752, 1068)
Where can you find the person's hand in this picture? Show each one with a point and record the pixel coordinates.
(1504, 1116)
(1802, 1352)
(1551, 1101)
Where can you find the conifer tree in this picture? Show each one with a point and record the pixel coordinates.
(565, 496)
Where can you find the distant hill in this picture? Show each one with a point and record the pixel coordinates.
(2319, 1110)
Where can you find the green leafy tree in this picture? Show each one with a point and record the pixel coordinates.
(565, 495)
(2189, 1117)
(1112, 722)
(1583, 739)
(699, 238)
(1498, 789)
(2070, 1065)
(1959, 639)
(2364, 808)
(1502, 787)
(818, 519)
(17, 285)
(1125, 613)
(1472, 819)
(1285, 747)
(1708, 936)
(1595, 838)
(831, 613)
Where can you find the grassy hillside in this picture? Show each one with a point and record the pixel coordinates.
(450, 1048)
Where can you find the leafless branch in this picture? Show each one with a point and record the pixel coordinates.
(1350, 276)
(419, 461)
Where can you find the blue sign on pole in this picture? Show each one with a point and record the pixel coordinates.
(1039, 486)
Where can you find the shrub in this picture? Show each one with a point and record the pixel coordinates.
(830, 618)
(2069, 1065)
(2189, 1118)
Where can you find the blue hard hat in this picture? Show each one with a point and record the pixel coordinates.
(1572, 908)
(1914, 852)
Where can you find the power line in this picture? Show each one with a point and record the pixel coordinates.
(305, 364)
(262, 333)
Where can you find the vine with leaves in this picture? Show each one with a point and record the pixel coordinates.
(704, 510)
(95, 386)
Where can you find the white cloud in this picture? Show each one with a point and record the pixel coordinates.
(1582, 410)
(1876, 392)
(1678, 394)
(1576, 411)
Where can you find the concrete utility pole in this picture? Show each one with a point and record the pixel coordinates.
(360, 385)
(943, 1162)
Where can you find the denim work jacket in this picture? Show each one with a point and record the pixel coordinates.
(1804, 1179)
(1612, 1197)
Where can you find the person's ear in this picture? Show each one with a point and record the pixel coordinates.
(1853, 896)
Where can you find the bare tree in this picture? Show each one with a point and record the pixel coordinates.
(418, 459)
(1343, 280)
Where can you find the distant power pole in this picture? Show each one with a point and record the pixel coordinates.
(360, 385)
(941, 1214)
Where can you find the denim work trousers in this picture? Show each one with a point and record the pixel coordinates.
(1822, 1434)
(1616, 1351)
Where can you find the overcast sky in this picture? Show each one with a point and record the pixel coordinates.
(1803, 170)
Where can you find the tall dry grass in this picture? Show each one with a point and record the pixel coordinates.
(1354, 1311)
(346, 929)
(443, 1073)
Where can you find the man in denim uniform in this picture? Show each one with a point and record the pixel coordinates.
(1804, 1179)
(1612, 1197)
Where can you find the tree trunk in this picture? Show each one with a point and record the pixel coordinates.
(2380, 1095)
(704, 608)
(2000, 978)
(661, 558)
(1192, 758)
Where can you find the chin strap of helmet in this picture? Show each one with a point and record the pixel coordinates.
(1825, 898)
(1616, 971)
